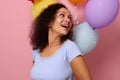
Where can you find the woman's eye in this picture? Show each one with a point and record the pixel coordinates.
(62, 15)
(69, 17)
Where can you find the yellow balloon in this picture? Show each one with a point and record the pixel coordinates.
(77, 1)
(39, 5)
(36, 1)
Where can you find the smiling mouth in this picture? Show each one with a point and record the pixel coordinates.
(65, 26)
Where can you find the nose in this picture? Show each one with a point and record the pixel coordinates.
(67, 19)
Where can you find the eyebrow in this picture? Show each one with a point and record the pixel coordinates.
(63, 12)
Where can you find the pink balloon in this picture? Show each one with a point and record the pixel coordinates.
(100, 13)
(77, 11)
(31, 1)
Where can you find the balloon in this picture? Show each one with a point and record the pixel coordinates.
(77, 11)
(31, 1)
(77, 1)
(36, 1)
(39, 6)
(85, 37)
(100, 13)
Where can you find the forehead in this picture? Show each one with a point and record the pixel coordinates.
(64, 10)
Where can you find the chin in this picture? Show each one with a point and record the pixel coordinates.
(65, 33)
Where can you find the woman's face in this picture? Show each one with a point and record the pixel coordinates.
(62, 23)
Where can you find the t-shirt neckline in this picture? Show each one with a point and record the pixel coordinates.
(49, 57)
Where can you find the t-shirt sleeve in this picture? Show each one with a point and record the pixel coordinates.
(73, 51)
(34, 53)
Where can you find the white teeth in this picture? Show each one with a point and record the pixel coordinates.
(66, 26)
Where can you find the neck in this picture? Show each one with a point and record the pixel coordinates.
(53, 39)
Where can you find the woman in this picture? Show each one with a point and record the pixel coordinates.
(55, 55)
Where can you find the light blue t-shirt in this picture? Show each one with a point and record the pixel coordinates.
(57, 66)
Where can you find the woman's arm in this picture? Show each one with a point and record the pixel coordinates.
(80, 68)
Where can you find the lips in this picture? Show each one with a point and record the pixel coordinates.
(65, 25)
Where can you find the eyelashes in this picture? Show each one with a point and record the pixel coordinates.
(63, 15)
(70, 17)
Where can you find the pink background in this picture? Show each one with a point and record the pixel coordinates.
(15, 50)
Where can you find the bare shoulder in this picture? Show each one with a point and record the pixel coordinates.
(78, 60)
(80, 68)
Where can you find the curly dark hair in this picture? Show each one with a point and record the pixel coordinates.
(39, 30)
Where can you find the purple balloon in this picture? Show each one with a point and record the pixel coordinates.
(100, 13)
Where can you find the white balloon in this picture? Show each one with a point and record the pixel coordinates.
(85, 37)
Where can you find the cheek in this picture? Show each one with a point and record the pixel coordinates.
(55, 25)
(56, 21)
